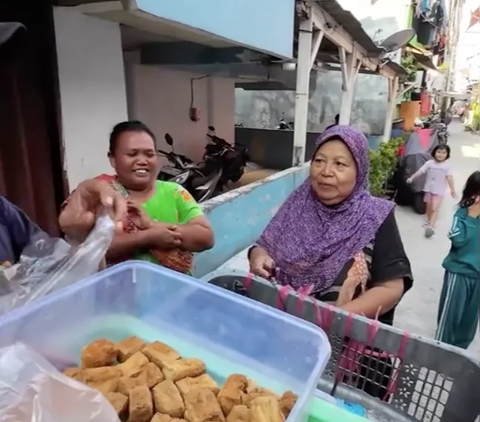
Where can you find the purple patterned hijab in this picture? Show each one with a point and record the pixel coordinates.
(311, 242)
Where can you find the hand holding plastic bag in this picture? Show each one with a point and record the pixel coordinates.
(48, 264)
(32, 390)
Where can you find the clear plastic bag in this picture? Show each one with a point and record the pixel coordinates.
(48, 264)
(32, 390)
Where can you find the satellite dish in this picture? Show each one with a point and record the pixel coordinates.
(397, 40)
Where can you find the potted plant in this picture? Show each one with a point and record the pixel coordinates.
(383, 162)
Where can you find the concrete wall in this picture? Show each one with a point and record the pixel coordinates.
(92, 90)
(239, 217)
(263, 109)
(161, 98)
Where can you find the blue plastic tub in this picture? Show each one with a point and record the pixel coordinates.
(230, 333)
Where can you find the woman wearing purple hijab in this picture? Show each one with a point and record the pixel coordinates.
(332, 236)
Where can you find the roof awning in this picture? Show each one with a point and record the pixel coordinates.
(422, 56)
(455, 95)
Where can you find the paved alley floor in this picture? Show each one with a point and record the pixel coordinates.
(417, 312)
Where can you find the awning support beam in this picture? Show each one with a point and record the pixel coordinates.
(350, 67)
(316, 42)
(306, 53)
(393, 89)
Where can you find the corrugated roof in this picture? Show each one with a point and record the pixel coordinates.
(350, 24)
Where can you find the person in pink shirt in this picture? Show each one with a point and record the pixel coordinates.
(439, 175)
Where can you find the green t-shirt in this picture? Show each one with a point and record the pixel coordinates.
(170, 204)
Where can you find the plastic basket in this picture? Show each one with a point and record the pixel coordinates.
(400, 376)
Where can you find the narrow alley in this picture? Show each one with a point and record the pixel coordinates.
(418, 309)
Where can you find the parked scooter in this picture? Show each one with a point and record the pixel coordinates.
(222, 156)
(177, 163)
(283, 125)
(222, 163)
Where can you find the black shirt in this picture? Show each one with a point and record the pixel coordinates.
(386, 261)
(16, 230)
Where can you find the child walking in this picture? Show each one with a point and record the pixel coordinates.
(460, 299)
(438, 176)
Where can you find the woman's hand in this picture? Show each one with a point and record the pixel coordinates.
(164, 236)
(87, 202)
(261, 263)
(139, 216)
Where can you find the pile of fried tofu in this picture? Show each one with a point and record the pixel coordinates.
(153, 383)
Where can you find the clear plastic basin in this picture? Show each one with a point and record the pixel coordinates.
(230, 333)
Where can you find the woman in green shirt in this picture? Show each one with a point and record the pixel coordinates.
(163, 224)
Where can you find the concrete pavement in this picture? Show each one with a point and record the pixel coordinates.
(417, 312)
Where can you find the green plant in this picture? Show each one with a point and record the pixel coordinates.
(383, 162)
(409, 63)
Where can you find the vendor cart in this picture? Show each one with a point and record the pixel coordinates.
(400, 377)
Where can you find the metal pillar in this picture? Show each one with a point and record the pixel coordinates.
(349, 67)
(392, 104)
(308, 46)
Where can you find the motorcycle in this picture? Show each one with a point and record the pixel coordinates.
(177, 162)
(283, 125)
(222, 163)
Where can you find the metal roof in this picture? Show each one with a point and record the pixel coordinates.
(350, 24)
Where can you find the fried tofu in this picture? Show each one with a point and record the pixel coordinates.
(158, 353)
(128, 347)
(118, 401)
(237, 381)
(232, 393)
(99, 353)
(99, 375)
(168, 400)
(140, 405)
(134, 364)
(201, 405)
(71, 372)
(150, 376)
(287, 401)
(258, 392)
(110, 386)
(205, 381)
(183, 368)
(266, 409)
(239, 413)
(159, 417)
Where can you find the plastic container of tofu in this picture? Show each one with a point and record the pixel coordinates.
(230, 333)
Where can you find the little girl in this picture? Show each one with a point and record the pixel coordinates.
(438, 176)
(460, 299)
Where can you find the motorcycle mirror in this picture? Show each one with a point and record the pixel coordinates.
(211, 129)
(168, 139)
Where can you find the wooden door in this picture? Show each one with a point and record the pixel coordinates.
(31, 174)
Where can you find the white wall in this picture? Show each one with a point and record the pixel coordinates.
(161, 97)
(92, 90)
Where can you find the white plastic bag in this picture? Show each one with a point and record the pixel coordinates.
(48, 264)
(32, 390)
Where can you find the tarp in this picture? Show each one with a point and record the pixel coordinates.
(475, 18)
